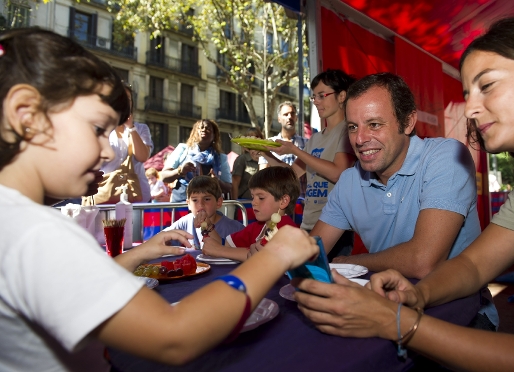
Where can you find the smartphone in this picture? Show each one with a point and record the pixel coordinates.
(318, 269)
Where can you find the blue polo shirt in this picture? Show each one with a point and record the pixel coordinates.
(437, 173)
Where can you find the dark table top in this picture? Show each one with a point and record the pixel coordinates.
(290, 341)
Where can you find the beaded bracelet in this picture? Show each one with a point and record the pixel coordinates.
(402, 353)
(238, 285)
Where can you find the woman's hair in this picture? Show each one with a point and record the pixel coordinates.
(498, 39)
(194, 137)
(60, 69)
(335, 79)
(152, 172)
(278, 181)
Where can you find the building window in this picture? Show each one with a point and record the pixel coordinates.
(83, 27)
(184, 134)
(159, 136)
(186, 100)
(189, 62)
(156, 87)
(18, 16)
(228, 107)
(157, 51)
(227, 101)
(226, 145)
(123, 74)
(156, 94)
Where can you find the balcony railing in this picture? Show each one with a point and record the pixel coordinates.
(103, 44)
(226, 114)
(173, 107)
(155, 58)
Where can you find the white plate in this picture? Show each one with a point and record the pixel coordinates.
(349, 270)
(263, 313)
(149, 282)
(288, 290)
(215, 260)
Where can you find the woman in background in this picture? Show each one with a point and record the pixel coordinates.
(200, 155)
(138, 137)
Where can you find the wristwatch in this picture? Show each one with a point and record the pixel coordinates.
(133, 129)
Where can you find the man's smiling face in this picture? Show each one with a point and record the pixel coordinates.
(374, 133)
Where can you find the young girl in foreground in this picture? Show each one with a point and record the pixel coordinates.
(61, 297)
(487, 71)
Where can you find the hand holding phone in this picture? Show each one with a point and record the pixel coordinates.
(319, 269)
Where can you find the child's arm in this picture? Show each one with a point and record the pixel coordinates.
(213, 248)
(165, 333)
(153, 248)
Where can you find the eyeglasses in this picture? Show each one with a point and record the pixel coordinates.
(320, 96)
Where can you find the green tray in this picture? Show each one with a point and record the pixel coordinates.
(255, 143)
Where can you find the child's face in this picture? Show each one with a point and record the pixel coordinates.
(264, 204)
(203, 201)
(152, 179)
(79, 146)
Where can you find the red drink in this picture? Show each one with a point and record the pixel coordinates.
(113, 240)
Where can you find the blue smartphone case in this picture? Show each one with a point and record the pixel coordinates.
(318, 269)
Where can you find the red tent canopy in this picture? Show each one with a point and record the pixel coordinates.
(441, 27)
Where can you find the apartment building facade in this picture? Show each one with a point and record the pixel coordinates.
(174, 84)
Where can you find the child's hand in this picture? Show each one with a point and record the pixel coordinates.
(292, 245)
(200, 217)
(211, 247)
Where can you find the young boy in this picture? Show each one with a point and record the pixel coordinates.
(203, 199)
(274, 190)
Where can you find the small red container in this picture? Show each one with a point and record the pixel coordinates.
(114, 240)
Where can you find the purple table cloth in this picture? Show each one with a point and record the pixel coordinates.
(289, 342)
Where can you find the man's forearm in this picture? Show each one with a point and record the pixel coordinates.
(402, 258)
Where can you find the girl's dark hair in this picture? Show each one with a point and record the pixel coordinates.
(498, 39)
(335, 79)
(60, 69)
(278, 181)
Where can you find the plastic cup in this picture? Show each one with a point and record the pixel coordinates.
(114, 240)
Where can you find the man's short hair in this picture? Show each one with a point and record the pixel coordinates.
(286, 103)
(205, 185)
(278, 181)
(402, 98)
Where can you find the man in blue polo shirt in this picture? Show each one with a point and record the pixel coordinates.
(412, 201)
